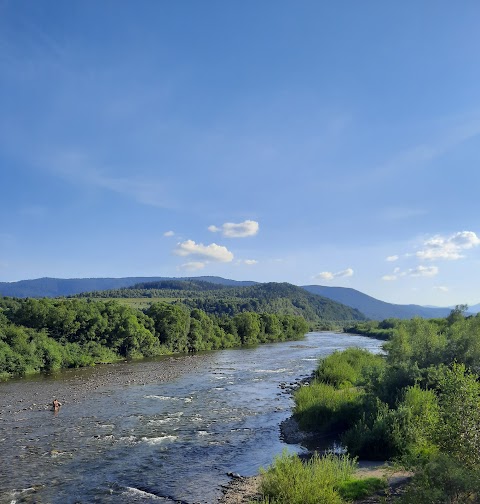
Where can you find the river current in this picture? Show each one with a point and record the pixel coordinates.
(163, 430)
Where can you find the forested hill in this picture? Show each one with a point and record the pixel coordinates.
(57, 287)
(371, 307)
(279, 298)
(374, 308)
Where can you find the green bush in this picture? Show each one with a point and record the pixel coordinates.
(290, 481)
(322, 407)
(349, 368)
(443, 480)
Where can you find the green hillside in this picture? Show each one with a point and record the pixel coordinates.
(278, 298)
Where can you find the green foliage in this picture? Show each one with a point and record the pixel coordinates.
(458, 434)
(406, 430)
(349, 368)
(290, 481)
(172, 324)
(422, 405)
(371, 436)
(323, 408)
(443, 480)
(49, 334)
(374, 329)
(463, 342)
(220, 300)
(248, 327)
(417, 341)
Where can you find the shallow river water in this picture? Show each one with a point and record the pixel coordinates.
(162, 430)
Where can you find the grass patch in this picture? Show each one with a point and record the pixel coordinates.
(360, 488)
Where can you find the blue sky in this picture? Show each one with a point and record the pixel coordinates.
(332, 143)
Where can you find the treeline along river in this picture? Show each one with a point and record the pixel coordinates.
(156, 430)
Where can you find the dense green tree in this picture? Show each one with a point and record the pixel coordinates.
(248, 327)
(172, 324)
(48, 334)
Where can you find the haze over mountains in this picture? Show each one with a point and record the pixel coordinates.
(372, 308)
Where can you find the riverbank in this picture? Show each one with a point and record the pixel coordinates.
(241, 491)
(246, 490)
(36, 393)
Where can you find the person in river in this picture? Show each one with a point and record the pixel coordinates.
(56, 405)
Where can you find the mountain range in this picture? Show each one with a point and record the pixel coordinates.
(372, 308)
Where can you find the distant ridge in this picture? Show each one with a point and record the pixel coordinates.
(371, 307)
(474, 308)
(57, 287)
(374, 308)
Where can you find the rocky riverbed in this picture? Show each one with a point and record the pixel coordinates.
(76, 385)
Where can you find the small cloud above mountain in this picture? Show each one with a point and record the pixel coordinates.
(193, 266)
(419, 271)
(212, 252)
(248, 262)
(239, 230)
(328, 275)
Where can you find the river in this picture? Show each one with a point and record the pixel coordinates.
(162, 430)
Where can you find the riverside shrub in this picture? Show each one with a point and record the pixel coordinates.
(349, 368)
(290, 481)
(322, 407)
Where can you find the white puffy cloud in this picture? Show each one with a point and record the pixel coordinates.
(240, 230)
(449, 247)
(168, 233)
(392, 258)
(193, 266)
(328, 275)
(212, 252)
(249, 262)
(441, 288)
(423, 271)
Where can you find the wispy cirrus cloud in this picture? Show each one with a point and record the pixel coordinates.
(248, 262)
(423, 271)
(328, 275)
(193, 266)
(240, 230)
(78, 168)
(212, 252)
